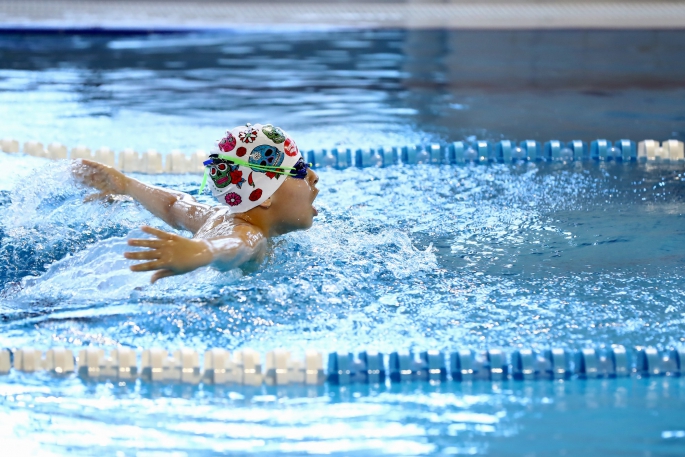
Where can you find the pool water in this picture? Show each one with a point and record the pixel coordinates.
(363, 88)
(405, 257)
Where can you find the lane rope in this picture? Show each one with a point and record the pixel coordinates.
(280, 367)
(458, 152)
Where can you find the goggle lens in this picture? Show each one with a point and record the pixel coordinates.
(299, 171)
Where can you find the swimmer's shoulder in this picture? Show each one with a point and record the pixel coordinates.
(222, 223)
(225, 225)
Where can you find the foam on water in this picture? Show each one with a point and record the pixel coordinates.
(404, 257)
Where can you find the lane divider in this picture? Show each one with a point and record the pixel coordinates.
(458, 152)
(245, 367)
(128, 160)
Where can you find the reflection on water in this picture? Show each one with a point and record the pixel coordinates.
(588, 417)
(364, 88)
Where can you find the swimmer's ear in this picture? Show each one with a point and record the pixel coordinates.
(266, 203)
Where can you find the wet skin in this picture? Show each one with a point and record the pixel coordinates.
(220, 239)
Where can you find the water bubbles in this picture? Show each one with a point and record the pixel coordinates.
(470, 155)
(566, 154)
(518, 153)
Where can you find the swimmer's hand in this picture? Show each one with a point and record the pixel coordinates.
(102, 177)
(169, 254)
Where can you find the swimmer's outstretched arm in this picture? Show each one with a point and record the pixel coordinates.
(172, 254)
(179, 210)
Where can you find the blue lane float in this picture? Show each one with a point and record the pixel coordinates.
(627, 150)
(554, 150)
(279, 367)
(531, 150)
(456, 153)
(485, 152)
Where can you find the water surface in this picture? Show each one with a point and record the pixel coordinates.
(407, 257)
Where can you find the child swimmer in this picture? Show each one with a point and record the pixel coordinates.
(262, 183)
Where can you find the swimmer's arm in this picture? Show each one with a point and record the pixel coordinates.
(177, 209)
(170, 254)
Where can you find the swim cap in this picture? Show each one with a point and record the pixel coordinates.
(249, 164)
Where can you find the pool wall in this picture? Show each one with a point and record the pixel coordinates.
(160, 15)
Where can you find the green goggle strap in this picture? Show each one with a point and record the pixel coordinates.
(279, 170)
(204, 183)
(256, 167)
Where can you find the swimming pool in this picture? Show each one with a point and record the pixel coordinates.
(406, 257)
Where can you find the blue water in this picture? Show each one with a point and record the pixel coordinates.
(408, 257)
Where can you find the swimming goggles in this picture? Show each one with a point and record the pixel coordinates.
(299, 171)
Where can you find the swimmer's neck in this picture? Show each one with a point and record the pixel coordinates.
(260, 219)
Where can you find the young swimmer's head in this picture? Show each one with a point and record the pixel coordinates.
(259, 168)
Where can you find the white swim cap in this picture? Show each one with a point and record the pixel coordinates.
(249, 164)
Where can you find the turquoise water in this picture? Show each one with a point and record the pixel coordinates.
(408, 257)
(624, 417)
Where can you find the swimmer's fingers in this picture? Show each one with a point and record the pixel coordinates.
(149, 266)
(161, 274)
(86, 171)
(95, 196)
(80, 168)
(161, 234)
(147, 243)
(143, 255)
(103, 196)
(83, 164)
(102, 177)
